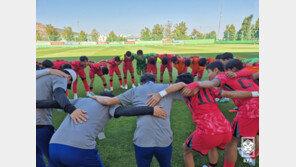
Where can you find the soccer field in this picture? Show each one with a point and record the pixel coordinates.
(117, 149)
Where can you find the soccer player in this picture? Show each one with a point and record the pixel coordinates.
(178, 63)
(166, 62)
(197, 70)
(141, 63)
(58, 64)
(100, 69)
(75, 145)
(226, 57)
(113, 67)
(78, 67)
(246, 122)
(219, 57)
(151, 66)
(49, 87)
(153, 136)
(128, 66)
(211, 134)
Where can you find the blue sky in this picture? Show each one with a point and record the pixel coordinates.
(130, 16)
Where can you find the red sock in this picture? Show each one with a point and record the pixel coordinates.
(85, 85)
(105, 87)
(111, 83)
(228, 164)
(90, 90)
(120, 81)
(67, 92)
(133, 80)
(125, 81)
(256, 154)
(75, 87)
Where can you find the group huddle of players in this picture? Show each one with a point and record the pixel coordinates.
(237, 78)
(146, 63)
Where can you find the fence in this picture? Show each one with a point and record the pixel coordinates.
(137, 43)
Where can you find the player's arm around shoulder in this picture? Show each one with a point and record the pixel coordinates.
(239, 94)
(106, 100)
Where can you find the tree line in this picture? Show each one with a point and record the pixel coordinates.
(248, 31)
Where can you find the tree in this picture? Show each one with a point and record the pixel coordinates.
(180, 31)
(68, 34)
(245, 31)
(230, 33)
(111, 37)
(257, 29)
(38, 36)
(196, 34)
(94, 35)
(82, 36)
(145, 34)
(52, 33)
(211, 35)
(157, 32)
(167, 32)
(121, 38)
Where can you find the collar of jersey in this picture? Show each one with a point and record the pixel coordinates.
(149, 82)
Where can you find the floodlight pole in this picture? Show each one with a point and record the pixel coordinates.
(220, 20)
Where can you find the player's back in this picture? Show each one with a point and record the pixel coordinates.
(206, 113)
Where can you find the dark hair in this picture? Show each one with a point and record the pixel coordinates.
(187, 62)
(140, 52)
(38, 67)
(186, 77)
(105, 70)
(109, 94)
(83, 58)
(152, 60)
(216, 64)
(47, 64)
(164, 60)
(202, 62)
(117, 58)
(147, 77)
(66, 66)
(234, 63)
(174, 59)
(218, 57)
(227, 56)
(128, 53)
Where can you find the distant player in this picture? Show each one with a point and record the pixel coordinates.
(47, 64)
(219, 57)
(197, 70)
(128, 66)
(141, 63)
(78, 67)
(151, 66)
(178, 63)
(100, 69)
(113, 67)
(59, 63)
(166, 62)
(246, 122)
(226, 57)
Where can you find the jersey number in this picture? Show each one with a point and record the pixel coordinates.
(244, 83)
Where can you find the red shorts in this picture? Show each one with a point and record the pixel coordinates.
(128, 67)
(151, 68)
(93, 72)
(168, 66)
(112, 70)
(81, 73)
(245, 127)
(199, 73)
(203, 144)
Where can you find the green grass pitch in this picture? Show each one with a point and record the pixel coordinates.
(117, 149)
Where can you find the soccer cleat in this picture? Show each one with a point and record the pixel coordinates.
(91, 94)
(111, 89)
(133, 85)
(121, 87)
(125, 87)
(246, 157)
(88, 94)
(224, 100)
(75, 96)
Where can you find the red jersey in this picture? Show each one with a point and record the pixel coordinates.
(112, 63)
(168, 56)
(180, 66)
(58, 64)
(127, 61)
(206, 113)
(96, 67)
(76, 66)
(211, 60)
(248, 107)
(194, 64)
